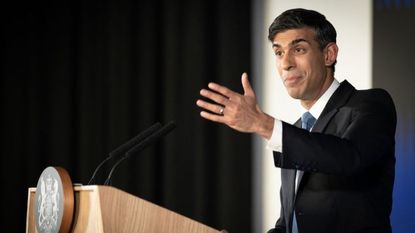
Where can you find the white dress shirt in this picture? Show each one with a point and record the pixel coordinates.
(275, 142)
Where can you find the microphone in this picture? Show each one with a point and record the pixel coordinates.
(140, 146)
(126, 146)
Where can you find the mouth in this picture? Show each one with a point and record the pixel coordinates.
(292, 80)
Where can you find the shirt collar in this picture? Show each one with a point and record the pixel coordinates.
(318, 107)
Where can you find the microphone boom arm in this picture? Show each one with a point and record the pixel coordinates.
(126, 146)
(140, 146)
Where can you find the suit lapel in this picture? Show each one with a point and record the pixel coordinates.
(287, 199)
(288, 175)
(288, 185)
(338, 99)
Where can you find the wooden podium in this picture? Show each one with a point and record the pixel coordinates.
(100, 209)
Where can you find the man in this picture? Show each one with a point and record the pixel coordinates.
(337, 162)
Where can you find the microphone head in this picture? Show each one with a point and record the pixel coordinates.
(153, 136)
(126, 146)
(156, 135)
(137, 139)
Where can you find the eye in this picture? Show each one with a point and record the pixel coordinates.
(278, 53)
(300, 50)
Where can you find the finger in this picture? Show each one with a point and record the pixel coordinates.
(212, 117)
(209, 106)
(248, 90)
(218, 98)
(222, 90)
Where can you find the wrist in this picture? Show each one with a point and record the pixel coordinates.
(265, 126)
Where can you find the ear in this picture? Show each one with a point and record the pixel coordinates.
(330, 54)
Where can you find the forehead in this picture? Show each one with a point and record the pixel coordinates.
(285, 38)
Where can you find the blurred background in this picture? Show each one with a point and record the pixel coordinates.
(79, 78)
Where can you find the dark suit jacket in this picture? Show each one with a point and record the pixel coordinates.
(348, 162)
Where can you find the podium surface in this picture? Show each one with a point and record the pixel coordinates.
(102, 209)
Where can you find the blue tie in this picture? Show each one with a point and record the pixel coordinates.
(307, 122)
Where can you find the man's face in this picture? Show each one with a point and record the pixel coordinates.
(302, 65)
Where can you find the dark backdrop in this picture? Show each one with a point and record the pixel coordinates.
(393, 69)
(79, 78)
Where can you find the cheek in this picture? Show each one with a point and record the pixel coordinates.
(278, 65)
(303, 67)
(308, 66)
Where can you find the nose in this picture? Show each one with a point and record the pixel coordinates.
(287, 62)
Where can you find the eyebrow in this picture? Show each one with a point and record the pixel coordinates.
(294, 42)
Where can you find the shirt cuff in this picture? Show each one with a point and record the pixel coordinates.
(275, 142)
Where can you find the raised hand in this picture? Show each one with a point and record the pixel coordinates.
(240, 112)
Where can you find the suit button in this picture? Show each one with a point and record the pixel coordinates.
(300, 213)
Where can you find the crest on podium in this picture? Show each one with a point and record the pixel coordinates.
(54, 202)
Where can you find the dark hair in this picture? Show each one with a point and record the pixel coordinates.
(300, 18)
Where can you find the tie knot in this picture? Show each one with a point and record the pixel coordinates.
(307, 121)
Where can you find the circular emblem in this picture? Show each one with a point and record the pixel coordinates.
(54, 201)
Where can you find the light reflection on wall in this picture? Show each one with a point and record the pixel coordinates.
(393, 69)
(404, 190)
(398, 4)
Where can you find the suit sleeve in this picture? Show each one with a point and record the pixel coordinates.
(362, 134)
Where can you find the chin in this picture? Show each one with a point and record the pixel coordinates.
(294, 94)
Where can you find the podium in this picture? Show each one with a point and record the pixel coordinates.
(103, 209)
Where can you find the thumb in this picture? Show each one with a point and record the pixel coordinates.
(248, 91)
